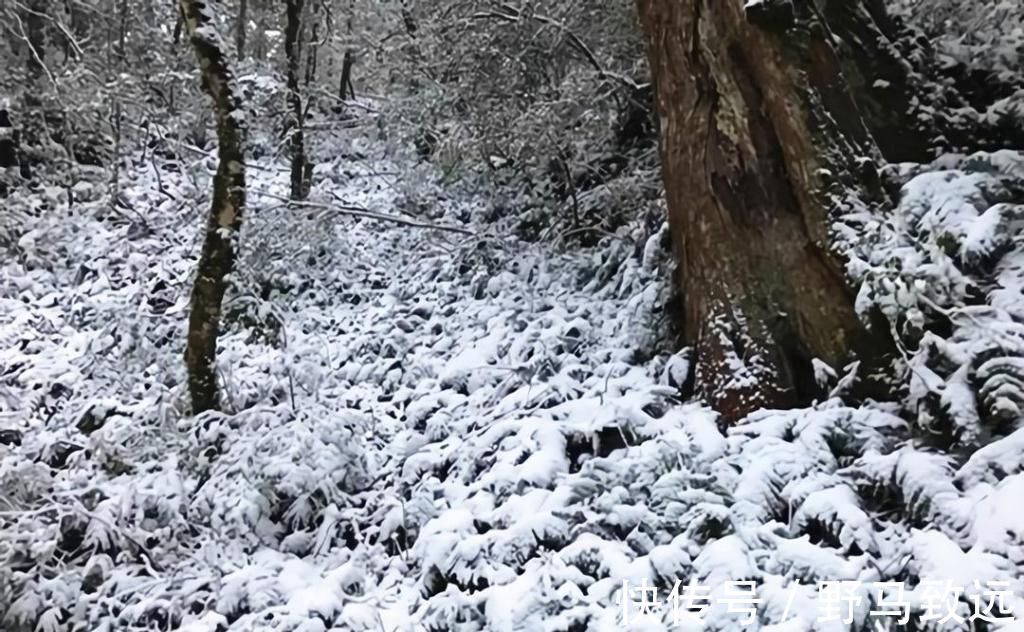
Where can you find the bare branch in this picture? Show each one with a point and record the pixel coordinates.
(359, 211)
(508, 13)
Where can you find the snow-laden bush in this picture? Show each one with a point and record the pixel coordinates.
(431, 431)
(944, 270)
(425, 429)
(121, 513)
(987, 35)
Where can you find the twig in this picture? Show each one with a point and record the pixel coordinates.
(346, 102)
(58, 24)
(588, 229)
(358, 211)
(80, 508)
(32, 49)
(509, 13)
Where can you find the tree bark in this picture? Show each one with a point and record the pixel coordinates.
(217, 260)
(292, 48)
(760, 139)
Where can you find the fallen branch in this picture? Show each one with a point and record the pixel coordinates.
(359, 211)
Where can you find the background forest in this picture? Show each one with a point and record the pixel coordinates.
(468, 315)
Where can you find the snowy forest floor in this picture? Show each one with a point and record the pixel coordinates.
(428, 430)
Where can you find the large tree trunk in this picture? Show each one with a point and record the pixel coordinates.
(217, 259)
(760, 139)
(292, 39)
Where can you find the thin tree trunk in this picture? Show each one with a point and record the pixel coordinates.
(293, 52)
(79, 18)
(8, 141)
(9, 149)
(314, 45)
(35, 131)
(116, 107)
(179, 22)
(34, 23)
(240, 28)
(760, 139)
(122, 33)
(224, 221)
(345, 89)
(260, 37)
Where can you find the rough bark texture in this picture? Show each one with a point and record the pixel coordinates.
(217, 259)
(292, 39)
(760, 137)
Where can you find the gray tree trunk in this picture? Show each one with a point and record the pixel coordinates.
(224, 220)
(293, 52)
(240, 28)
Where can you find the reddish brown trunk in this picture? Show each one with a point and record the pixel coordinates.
(759, 139)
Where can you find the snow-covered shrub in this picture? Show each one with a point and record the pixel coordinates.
(987, 35)
(943, 268)
(386, 377)
(425, 429)
(547, 101)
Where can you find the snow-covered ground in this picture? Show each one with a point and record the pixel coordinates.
(429, 430)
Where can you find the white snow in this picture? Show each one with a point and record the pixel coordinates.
(429, 430)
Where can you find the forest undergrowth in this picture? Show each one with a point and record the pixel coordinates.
(426, 429)
(470, 412)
